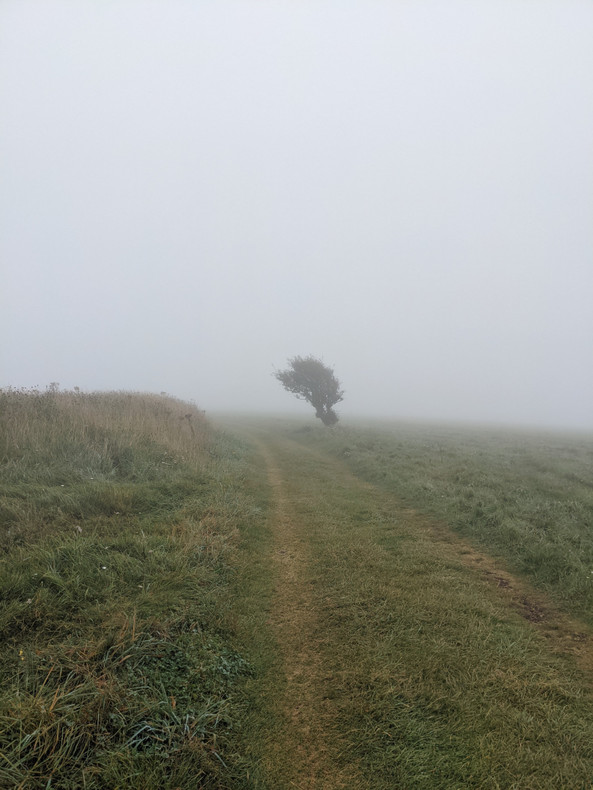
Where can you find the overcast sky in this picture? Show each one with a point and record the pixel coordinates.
(192, 192)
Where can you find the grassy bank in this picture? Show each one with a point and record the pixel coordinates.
(120, 515)
(526, 497)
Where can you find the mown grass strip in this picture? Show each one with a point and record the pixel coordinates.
(525, 496)
(437, 683)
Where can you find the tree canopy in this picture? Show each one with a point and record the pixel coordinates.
(309, 379)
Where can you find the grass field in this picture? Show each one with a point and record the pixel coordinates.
(526, 496)
(269, 604)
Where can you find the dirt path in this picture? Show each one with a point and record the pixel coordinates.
(308, 750)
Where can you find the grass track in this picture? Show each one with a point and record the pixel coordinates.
(525, 497)
(399, 661)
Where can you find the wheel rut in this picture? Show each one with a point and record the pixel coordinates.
(309, 745)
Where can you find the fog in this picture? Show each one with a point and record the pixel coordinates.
(193, 192)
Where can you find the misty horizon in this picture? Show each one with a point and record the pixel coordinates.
(192, 194)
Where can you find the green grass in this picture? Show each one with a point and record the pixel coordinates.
(120, 519)
(139, 577)
(435, 682)
(526, 497)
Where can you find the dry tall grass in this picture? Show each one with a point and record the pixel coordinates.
(98, 431)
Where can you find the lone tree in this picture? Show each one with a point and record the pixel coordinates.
(309, 379)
